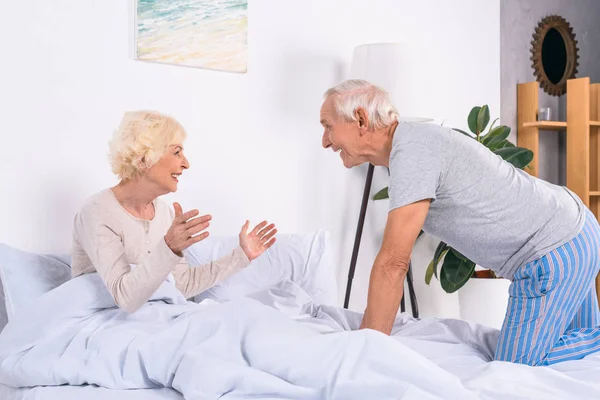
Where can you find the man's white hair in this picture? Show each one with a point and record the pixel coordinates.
(354, 93)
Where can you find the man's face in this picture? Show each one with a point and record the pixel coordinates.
(342, 137)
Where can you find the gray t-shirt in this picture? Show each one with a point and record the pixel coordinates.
(497, 215)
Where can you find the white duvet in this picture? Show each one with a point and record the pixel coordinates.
(276, 344)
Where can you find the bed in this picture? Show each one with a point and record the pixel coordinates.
(251, 338)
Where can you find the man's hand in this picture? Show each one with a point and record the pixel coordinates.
(386, 284)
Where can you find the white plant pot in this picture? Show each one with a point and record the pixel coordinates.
(484, 301)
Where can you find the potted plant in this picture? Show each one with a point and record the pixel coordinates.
(456, 269)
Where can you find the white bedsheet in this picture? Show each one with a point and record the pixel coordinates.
(465, 351)
(85, 392)
(277, 344)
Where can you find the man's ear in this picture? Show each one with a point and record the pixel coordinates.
(363, 120)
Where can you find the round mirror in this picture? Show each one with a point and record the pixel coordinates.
(554, 54)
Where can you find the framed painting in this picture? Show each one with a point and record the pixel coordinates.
(209, 34)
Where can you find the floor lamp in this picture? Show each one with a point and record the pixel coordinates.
(393, 67)
(356, 247)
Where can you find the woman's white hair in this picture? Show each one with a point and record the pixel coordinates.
(141, 139)
(354, 93)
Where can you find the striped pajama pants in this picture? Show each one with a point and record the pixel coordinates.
(552, 313)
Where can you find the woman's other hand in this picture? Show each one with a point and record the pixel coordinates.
(258, 240)
(180, 235)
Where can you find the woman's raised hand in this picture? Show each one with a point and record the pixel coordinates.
(258, 240)
(180, 235)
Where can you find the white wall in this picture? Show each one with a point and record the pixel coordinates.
(254, 139)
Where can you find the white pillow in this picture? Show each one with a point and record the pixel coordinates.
(304, 259)
(26, 276)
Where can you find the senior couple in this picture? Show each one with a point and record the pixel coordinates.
(538, 235)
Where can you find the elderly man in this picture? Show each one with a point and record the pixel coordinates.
(538, 235)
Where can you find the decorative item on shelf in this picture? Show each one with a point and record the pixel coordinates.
(395, 68)
(544, 114)
(457, 268)
(193, 33)
(554, 54)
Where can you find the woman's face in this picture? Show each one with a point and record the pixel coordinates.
(165, 173)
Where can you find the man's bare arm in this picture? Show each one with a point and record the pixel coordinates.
(386, 283)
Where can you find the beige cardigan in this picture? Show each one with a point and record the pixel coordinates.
(107, 239)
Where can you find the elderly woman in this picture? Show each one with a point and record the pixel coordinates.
(128, 224)
(538, 235)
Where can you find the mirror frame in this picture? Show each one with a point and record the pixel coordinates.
(566, 32)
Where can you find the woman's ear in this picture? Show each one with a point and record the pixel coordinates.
(363, 120)
(143, 167)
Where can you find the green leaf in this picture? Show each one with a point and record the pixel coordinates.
(455, 272)
(518, 156)
(472, 119)
(429, 273)
(382, 194)
(496, 136)
(496, 146)
(458, 254)
(440, 251)
(501, 145)
(463, 132)
(432, 267)
(483, 118)
(492, 126)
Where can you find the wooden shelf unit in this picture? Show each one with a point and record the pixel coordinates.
(583, 137)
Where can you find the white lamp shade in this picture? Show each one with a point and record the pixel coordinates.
(393, 67)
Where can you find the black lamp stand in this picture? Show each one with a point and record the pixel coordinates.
(359, 229)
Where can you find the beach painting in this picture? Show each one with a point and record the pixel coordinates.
(208, 34)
